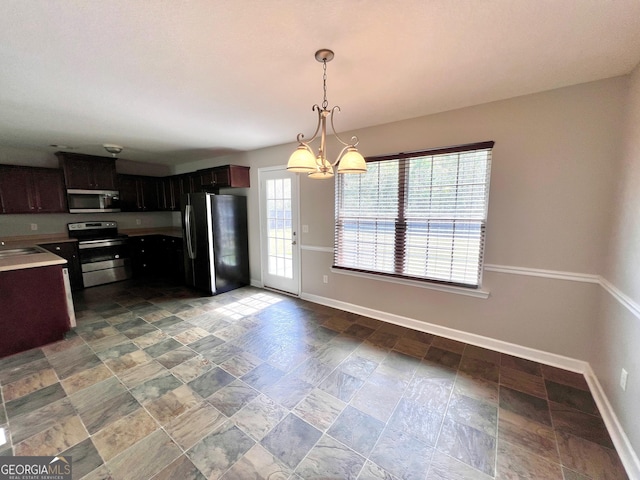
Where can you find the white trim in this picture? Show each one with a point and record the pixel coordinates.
(624, 299)
(533, 354)
(537, 272)
(316, 248)
(618, 436)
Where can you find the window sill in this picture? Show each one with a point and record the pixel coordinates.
(476, 293)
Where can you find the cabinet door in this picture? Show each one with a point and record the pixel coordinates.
(69, 251)
(129, 201)
(148, 193)
(104, 174)
(16, 190)
(49, 189)
(77, 173)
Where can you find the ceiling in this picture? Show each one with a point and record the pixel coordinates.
(180, 80)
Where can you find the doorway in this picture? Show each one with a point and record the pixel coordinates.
(279, 242)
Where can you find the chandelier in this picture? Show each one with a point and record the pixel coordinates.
(304, 160)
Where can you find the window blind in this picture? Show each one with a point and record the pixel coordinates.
(419, 215)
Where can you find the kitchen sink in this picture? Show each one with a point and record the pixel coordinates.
(13, 252)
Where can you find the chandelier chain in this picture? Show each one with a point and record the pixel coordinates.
(325, 104)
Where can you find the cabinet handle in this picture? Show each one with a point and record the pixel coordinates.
(58, 248)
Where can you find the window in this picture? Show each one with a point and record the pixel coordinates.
(419, 216)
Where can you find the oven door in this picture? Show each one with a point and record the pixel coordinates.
(104, 261)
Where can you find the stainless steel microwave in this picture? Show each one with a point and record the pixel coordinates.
(93, 201)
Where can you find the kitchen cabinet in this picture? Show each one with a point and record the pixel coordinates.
(158, 256)
(31, 190)
(169, 191)
(88, 172)
(138, 193)
(227, 176)
(34, 308)
(69, 251)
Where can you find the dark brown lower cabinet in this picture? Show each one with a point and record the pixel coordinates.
(34, 308)
(158, 256)
(69, 251)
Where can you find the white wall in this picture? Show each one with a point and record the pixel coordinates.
(618, 329)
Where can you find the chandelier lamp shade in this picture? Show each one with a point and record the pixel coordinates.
(304, 160)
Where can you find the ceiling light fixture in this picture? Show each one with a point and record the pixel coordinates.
(113, 149)
(303, 160)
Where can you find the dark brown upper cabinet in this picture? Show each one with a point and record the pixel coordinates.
(139, 193)
(31, 190)
(227, 176)
(88, 172)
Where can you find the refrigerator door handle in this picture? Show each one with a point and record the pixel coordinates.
(187, 223)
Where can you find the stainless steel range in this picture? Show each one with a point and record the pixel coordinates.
(104, 253)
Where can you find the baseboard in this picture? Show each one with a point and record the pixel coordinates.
(618, 436)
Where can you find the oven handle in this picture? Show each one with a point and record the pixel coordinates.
(188, 213)
(84, 244)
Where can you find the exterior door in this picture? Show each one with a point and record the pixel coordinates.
(279, 229)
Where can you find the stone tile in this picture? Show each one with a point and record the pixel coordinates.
(476, 388)
(139, 331)
(173, 404)
(524, 382)
(222, 353)
(142, 373)
(85, 458)
(312, 371)
(259, 416)
(63, 434)
(192, 368)
(433, 393)
(478, 368)
(448, 344)
(341, 385)
(155, 388)
(481, 353)
(105, 343)
(162, 347)
(115, 403)
(66, 344)
(288, 391)
(123, 433)
(219, 450)
(330, 459)
(444, 467)
(401, 455)
(263, 376)
(74, 360)
(14, 362)
(441, 356)
(319, 409)
(571, 397)
(358, 330)
(158, 451)
(233, 397)
(532, 436)
(358, 367)
(371, 471)
(386, 400)
(34, 400)
(29, 384)
(564, 377)
(150, 339)
(176, 357)
(525, 405)
(85, 379)
(181, 468)
(473, 413)
(206, 344)
(195, 424)
(383, 339)
(357, 430)
(191, 335)
(417, 420)
(515, 463)
(258, 464)
(125, 362)
(291, 440)
(580, 424)
(411, 347)
(210, 382)
(31, 423)
(571, 475)
(471, 446)
(117, 351)
(521, 364)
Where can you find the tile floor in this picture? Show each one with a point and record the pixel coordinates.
(159, 382)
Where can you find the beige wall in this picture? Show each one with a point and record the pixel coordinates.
(618, 329)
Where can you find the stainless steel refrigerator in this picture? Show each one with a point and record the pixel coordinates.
(216, 247)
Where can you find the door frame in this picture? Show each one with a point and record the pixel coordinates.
(295, 190)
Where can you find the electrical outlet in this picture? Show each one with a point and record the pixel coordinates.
(623, 379)
(325, 279)
(305, 228)
(138, 221)
(34, 226)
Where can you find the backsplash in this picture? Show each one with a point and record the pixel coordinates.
(56, 223)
